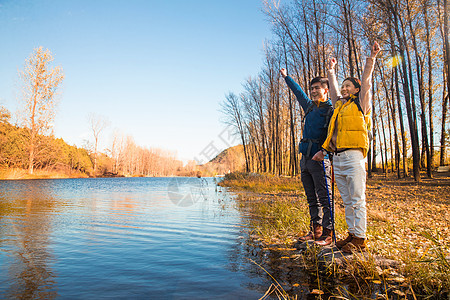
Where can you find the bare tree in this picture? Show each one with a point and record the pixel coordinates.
(40, 83)
(232, 108)
(98, 124)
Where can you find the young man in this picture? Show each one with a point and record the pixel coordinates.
(318, 111)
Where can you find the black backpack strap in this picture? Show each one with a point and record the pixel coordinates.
(358, 104)
(326, 123)
(328, 117)
(308, 110)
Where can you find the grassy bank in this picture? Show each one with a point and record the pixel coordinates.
(407, 222)
(17, 173)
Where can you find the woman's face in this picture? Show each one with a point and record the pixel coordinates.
(348, 88)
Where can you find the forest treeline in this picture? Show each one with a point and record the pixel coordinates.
(124, 158)
(410, 90)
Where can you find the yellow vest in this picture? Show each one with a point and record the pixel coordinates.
(352, 127)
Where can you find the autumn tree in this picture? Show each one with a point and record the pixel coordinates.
(40, 83)
(414, 35)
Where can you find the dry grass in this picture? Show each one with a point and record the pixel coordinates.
(16, 173)
(262, 183)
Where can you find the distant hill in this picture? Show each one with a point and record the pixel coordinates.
(229, 160)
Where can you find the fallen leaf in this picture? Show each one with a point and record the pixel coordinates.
(400, 293)
(397, 279)
(376, 281)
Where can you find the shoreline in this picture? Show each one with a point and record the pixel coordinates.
(22, 174)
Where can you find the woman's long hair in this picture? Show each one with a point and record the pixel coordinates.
(355, 98)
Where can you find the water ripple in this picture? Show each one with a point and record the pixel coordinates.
(121, 238)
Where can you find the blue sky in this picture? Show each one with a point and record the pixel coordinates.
(157, 70)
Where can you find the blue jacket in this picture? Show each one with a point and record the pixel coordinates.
(315, 122)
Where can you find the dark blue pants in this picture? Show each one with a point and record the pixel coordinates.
(315, 186)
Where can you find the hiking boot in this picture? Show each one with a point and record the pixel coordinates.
(326, 238)
(347, 240)
(357, 244)
(314, 234)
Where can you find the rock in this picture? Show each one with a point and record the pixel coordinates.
(329, 255)
(303, 246)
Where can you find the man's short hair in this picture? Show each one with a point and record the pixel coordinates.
(323, 81)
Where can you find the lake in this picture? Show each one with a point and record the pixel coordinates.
(124, 238)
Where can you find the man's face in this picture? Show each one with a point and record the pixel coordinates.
(318, 93)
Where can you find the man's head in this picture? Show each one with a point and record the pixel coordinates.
(319, 89)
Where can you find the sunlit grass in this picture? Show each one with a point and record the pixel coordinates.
(275, 288)
(17, 173)
(262, 183)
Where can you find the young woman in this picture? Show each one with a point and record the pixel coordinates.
(348, 139)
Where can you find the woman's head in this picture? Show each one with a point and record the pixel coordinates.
(350, 86)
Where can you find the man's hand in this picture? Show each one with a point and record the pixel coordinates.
(283, 72)
(331, 63)
(319, 156)
(375, 49)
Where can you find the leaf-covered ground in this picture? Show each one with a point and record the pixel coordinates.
(401, 212)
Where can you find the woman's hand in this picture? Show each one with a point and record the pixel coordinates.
(283, 72)
(331, 63)
(375, 49)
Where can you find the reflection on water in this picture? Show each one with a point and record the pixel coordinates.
(124, 238)
(26, 239)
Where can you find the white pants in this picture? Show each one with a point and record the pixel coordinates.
(350, 174)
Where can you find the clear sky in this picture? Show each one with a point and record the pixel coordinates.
(157, 69)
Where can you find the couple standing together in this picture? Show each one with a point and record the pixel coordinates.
(335, 123)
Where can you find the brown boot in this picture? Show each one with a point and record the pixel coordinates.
(326, 238)
(357, 244)
(342, 243)
(314, 234)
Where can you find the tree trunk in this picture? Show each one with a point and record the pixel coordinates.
(390, 135)
(408, 98)
(443, 133)
(402, 126)
(348, 37)
(419, 71)
(447, 80)
(430, 84)
(292, 151)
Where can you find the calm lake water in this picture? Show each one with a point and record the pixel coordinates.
(124, 238)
